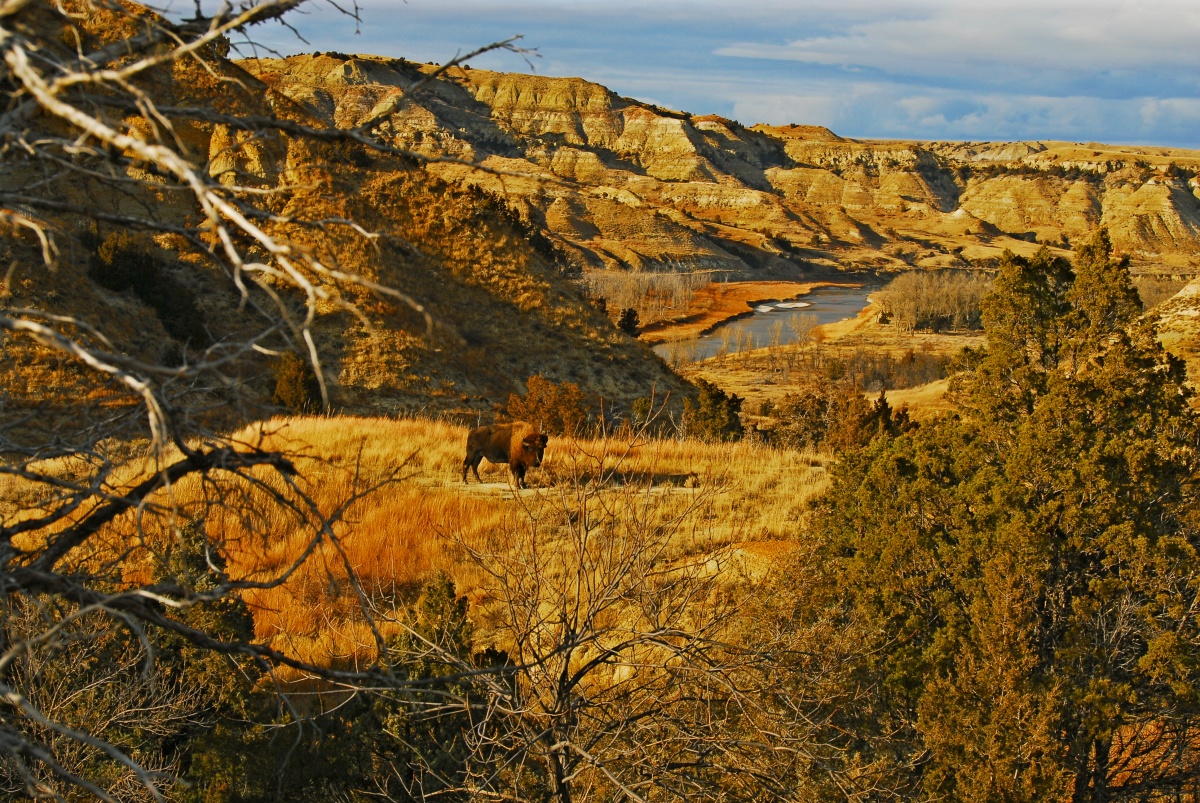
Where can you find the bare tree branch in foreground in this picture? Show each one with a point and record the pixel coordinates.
(114, 442)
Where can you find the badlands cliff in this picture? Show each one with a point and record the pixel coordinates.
(503, 306)
(627, 185)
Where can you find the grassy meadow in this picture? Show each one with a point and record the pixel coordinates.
(401, 513)
(421, 515)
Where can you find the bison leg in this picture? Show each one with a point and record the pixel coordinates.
(518, 471)
(472, 462)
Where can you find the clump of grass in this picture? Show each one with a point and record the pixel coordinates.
(396, 538)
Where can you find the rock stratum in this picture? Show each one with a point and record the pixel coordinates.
(619, 184)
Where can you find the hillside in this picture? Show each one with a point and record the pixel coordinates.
(128, 261)
(625, 184)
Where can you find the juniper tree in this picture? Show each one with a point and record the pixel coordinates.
(1030, 564)
(628, 322)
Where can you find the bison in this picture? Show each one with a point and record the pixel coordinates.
(518, 444)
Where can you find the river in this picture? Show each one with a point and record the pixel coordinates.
(828, 304)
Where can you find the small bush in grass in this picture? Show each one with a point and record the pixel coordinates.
(296, 386)
(556, 408)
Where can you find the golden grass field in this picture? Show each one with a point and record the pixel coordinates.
(397, 537)
(743, 499)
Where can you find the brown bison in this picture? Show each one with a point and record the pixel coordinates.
(518, 444)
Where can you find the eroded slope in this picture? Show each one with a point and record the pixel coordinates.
(629, 185)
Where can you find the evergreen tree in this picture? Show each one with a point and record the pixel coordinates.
(1023, 316)
(1102, 294)
(628, 322)
(1030, 565)
(715, 416)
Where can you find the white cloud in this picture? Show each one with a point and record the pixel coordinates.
(956, 40)
(909, 112)
(1110, 70)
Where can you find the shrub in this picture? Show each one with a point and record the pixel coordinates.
(296, 386)
(556, 409)
(871, 371)
(628, 322)
(715, 416)
(835, 418)
(641, 410)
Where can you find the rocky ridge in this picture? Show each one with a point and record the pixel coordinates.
(575, 179)
(620, 184)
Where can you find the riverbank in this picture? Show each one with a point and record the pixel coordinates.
(764, 376)
(721, 302)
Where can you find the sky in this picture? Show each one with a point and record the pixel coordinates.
(1120, 72)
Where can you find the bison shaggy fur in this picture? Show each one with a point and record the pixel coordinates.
(519, 444)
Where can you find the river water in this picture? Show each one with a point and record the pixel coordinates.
(770, 320)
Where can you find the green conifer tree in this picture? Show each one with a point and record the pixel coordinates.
(1102, 295)
(1030, 566)
(628, 322)
(715, 416)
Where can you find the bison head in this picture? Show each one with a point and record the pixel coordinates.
(534, 447)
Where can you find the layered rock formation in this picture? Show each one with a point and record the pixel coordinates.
(531, 181)
(1178, 321)
(620, 184)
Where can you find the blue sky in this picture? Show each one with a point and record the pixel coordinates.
(1117, 72)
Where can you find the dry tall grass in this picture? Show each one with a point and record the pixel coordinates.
(384, 545)
(396, 538)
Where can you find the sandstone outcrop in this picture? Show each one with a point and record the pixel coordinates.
(620, 184)
(536, 180)
(1178, 322)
